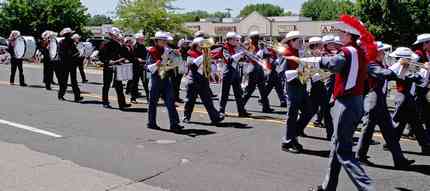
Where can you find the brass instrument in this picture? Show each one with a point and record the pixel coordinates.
(170, 61)
(206, 45)
(256, 59)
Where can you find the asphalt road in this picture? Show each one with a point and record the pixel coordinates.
(241, 155)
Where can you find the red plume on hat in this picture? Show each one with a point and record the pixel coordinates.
(366, 38)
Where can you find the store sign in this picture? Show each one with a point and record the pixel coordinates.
(324, 29)
(286, 28)
(224, 30)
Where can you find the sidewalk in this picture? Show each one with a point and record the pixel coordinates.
(22, 169)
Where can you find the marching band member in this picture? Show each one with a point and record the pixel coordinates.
(318, 93)
(423, 51)
(69, 58)
(157, 85)
(15, 62)
(183, 47)
(132, 85)
(273, 80)
(256, 76)
(197, 84)
(231, 76)
(376, 111)
(405, 102)
(112, 53)
(77, 39)
(351, 72)
(298, 98)
(141, 54)
(48, 66)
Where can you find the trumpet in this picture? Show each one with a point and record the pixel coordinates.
(206, 45)
(256, 59)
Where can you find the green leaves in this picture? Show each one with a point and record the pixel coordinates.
(32, 17)
(264, 9)
(326, 9)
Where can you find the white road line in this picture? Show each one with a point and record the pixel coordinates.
(28, 128)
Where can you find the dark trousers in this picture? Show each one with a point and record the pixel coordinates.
(378, 115)
(16, 64)
(347, 113)
(65, 70)
(81, 69)
(198, 85)
(274, 82)
(145, 80)
(406, 113)
(231, 79)
(298, 101)
(161, 87)
(108, 77)
(133, 85)
(256, 79)
(320, 100)
(423, 108)
(48, 72)
(176, 80)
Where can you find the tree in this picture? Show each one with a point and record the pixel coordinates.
(98, 20)
(149, 16)
(194, 16)
(267, 10)
(326, 9)
(32, 17)
(395, 21)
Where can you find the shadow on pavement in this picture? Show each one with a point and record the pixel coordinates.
(403, 189)
(190, 132)
(136, 110)
(423, 169)
(323, 154)
(316, 138)
(95, 102)
(415, 153)
(224, 125)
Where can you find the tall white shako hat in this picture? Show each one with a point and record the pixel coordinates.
(66, 30)
(254, 34)
(231, 35)
(404, 52)
(292, 35)
(422, 38)
(161, 35)
(315, 40)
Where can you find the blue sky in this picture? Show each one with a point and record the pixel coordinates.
(108, 6)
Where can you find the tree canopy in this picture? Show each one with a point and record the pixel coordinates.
(149, 16)
(98, 20)
(32, 17)
(193, 16)
(265, 9)
(326, 9)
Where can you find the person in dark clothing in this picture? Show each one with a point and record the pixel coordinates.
(48, 67)
(112, 53)
(139, 54)
(15, 63)
(69, 55)
(77, 39)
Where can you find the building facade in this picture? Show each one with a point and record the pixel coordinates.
(269, 27)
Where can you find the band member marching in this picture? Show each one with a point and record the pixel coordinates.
(376, 111)
(140, 54)
(318, 93)
(69, 59)
(256, 76)
(14, 61)
(48, 65)
(405, 102)
(112, 53)
(198, 80)
(350, 66)
(159, 56)
(231, 76)
(77, 39)
(274, 80)
(298, 98)
(422, 49)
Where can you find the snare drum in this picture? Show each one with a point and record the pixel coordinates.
(25, 47)
(124, 72)
(54, 46)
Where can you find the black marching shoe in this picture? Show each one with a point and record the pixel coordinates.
(84, 81)
(78, 99)
(176, 128)
(61, 98)
(292, 147)
(219, 120)
(107, 106)
(319, 188)
(156, 127)
(425, 150)
(403, 164)
(283, 104)
(268, 110)
(365, 161)
(23, 84)
(186, 120)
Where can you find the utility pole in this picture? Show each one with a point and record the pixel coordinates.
(228, 11)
